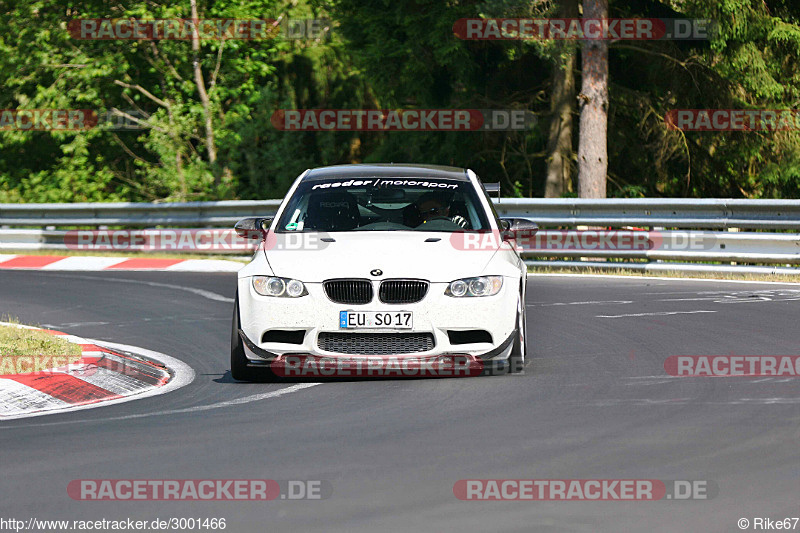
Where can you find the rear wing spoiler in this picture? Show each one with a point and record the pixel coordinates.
(492, 188)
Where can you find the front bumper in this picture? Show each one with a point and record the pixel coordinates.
(437, 314)
(260, 357)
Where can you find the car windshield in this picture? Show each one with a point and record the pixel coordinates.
(381, 204)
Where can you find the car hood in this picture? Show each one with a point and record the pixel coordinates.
(425, 255)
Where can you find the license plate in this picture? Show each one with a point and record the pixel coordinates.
(375, 319)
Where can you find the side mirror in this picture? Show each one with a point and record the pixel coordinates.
(253, 228)
(514, 228)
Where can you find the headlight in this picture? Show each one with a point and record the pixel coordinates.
(482, 286)
(280, 287)
(295, 288)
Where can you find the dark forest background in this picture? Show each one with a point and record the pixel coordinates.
(378, 55)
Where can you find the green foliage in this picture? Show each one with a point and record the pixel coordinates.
(42, 66)
(384, 54)
(750, 63)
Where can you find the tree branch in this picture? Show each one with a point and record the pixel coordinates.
(219, 62)
(166, 60)
(144, 91)
(138, 120)
(128, 150)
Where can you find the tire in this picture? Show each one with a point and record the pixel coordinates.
(239, 369)
(519, 352)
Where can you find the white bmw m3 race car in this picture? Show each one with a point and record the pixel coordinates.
(381, 270)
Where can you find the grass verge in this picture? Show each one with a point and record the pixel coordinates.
(15, 341)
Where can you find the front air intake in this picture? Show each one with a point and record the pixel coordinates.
(375, 343)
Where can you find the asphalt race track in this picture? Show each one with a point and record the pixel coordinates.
(596, 404)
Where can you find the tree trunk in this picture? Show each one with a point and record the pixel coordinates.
(211, 146)
(593, 143)
(562, 96)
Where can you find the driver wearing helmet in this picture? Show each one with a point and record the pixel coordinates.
(434, 206)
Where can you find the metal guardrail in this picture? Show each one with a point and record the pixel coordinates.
(195, 241)
(656, 212)
(680, 245)
(690, 241)
(548, 212)
(658, 267)
(772, 248)
(184, 214)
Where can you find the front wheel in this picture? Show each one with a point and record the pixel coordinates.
(519, 352)
(239, 369)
